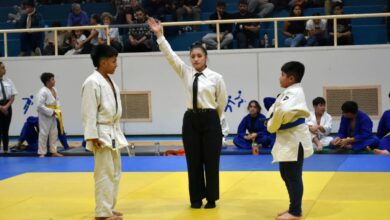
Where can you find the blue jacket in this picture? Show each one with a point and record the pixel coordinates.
(363, 127)
(259, 126)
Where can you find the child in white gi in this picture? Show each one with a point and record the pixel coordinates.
(293, 140)
(48, 105)
(320, 124)
(101, 110)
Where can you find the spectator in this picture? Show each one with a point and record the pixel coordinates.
(294, 31)
(156, 8)
(62, 36)
(344, 28)
(126, 11)
(252, 129)
(246, 33)
(226, 36)
(77, 17)
(320, 124)
(140, 36)
(355, 132)
(318, 35)
(93, 37)
(31, 42)
(15, 17)
(114, 33)
(263, 8)
(78, 39)
(188, 8)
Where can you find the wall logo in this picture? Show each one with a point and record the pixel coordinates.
(28, 101)
(237, 101)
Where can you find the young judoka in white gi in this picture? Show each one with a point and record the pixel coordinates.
(320, 124)
(48, 107)
(286, 118)
(101, 110)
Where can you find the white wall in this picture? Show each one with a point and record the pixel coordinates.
(255, 72)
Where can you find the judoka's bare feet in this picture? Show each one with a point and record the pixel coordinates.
(109, 218)
(41, 155)
(282, 213)
(381, 152)
(117, 213)
(56, 155)
(288, 216)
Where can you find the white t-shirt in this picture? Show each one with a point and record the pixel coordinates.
(114, 34)
(311, 26)
(79, 40)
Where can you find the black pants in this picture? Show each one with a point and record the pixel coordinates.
(291, 173)
(5, 121)
(202, 139)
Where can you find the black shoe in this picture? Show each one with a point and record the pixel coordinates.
(210, 205)
(196, 204)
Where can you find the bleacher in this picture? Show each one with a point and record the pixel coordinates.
(365, 31)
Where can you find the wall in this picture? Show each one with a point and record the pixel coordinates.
(254, 72)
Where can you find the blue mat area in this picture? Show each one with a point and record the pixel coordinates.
(12, 166)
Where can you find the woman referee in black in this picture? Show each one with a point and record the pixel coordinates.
(202, 134)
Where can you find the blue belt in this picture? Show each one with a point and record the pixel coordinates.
(292, 124)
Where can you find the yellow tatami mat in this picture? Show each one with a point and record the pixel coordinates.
(164, 195)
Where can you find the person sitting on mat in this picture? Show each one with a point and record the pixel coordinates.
(252, 129)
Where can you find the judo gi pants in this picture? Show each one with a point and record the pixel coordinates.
(48, 131)
(107, 176)
(291, 173)
(202, 139)
(5, 121)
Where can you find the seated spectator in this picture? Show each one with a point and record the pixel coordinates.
(190, 9)
(31, 42)
(226, 36)
(156, 8)
(344, 28)
(93, 36)
(15, 17)
(384, 134)
(246, 33)
(78, 39)
(252, 129)
(320, 124)
(126, 10)
(77, 17)
(263, 8)
(114, 33)
(316, 29)
(140, 36)
(61, 38)
(355, 132)
(294, 31)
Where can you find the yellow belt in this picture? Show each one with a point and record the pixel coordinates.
(58, 113)
(388, 134)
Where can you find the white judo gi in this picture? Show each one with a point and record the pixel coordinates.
(47, 120)
(101, 112)
(326, 123)
(289, 107)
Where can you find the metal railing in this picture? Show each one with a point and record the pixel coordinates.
(55, 29)
(208, 22)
